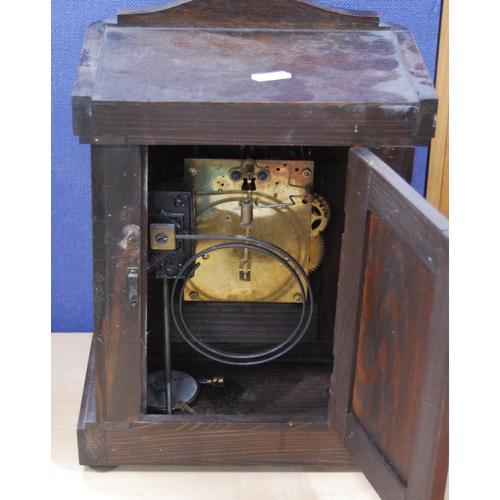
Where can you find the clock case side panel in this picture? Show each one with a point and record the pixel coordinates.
(118, 207)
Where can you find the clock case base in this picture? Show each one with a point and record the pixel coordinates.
(201, 440)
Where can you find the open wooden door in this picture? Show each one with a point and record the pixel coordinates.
(389, 389)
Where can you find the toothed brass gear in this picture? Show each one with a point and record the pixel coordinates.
(316, 253)
(320, 215)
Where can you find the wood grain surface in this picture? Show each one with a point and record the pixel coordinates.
(360, 86)
(390, 374)
(69, 362)
(390, 264)
(117, 221)
(243, 14)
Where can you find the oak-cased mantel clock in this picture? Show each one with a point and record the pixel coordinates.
(268, 288)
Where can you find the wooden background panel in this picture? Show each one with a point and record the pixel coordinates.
(391, 345)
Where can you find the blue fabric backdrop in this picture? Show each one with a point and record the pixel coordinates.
(71, 203)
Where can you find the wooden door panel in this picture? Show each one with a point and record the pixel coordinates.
(388, 361)
(389, 387)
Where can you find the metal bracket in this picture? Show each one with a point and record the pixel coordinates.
(133, 285)
(162, 236)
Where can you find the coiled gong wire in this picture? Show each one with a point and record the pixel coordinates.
(264, 247)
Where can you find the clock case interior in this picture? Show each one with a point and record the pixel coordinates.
(296, 384)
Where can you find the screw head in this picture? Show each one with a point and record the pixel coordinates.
(161, 238)
(263, 175)
(192, 171)
(236, 175)
(181, 201)
(306, 172)
(193, 295)
(297, 297)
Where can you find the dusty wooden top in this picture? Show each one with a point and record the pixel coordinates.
(280, 72)
(179, 65)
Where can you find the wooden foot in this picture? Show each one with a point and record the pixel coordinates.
(102, 468)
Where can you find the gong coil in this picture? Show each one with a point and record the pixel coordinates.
(298, 274)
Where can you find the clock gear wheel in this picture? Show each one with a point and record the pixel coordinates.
(320, 215)
(316, 253)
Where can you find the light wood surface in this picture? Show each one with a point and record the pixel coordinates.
(71, 480)
(438, 178)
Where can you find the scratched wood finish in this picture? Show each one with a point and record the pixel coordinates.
(118, 320)
(203, 439)
(391, 353)
(215, 443)
(131, 92)
(421, 81)
(401, 160)
(84, 82)
(330, 67)
(199, 89)
(258, 124)
(390, 379)
(282, 14)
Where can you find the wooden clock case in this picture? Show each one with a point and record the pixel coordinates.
(368, 384)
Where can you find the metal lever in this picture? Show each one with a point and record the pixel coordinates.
(133, 285)
(213, 381)
(168, 360)
(245, 265)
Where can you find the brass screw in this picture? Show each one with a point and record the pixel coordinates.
(193, 295)
(297, 297)
(306, 172)
(192, 171)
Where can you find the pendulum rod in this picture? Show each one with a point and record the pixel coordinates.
(168, 356)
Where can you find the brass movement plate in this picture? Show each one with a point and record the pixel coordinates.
(281, 215)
